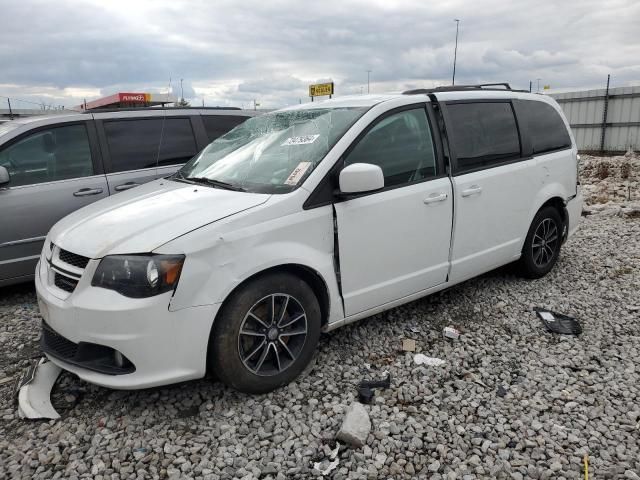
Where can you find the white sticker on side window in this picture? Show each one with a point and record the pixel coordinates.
(303, 140)
(297, 173)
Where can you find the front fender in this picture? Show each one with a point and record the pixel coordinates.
(219, 259)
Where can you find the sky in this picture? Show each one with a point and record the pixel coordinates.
(230, 53)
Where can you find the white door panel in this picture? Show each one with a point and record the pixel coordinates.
(492, 217)
(394, 243)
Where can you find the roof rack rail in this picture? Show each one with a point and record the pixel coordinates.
(503, 86)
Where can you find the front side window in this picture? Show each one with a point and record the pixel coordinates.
(484, 134)
(401, 145)
(50, 155)
(545, 126)
(145, 143)
(272, 153)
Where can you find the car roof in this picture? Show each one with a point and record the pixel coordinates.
(370, 100)
(16, 127)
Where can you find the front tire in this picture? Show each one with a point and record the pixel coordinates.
(265, 334)
(542, 245)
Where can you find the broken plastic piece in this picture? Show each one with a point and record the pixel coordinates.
(334, 462)
(329, 468)
(451, 332)
(34, 396)
(365, 388)
(558, 322)
(421, 359)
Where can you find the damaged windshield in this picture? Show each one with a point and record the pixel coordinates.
(273, 153)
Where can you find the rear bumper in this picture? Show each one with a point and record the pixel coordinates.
(162, 346)
(574, 211)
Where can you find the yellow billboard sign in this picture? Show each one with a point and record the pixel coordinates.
(321, 89)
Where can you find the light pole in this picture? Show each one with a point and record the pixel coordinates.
(368, 72)
(538, 91)
(455, 53)
(181, 91)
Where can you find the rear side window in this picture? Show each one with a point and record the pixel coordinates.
(134, 144)
(545, 127)
(218, 125)
(484, 134)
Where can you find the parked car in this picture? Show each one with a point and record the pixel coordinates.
(301, 221)
(53, 165)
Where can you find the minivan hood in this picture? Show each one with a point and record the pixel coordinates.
(143, 218)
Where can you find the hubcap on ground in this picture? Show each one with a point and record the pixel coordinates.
(545, 242)
(272, 334)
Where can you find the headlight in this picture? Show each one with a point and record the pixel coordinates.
(139, 276)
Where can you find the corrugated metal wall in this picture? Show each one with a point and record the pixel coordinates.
(584, 111)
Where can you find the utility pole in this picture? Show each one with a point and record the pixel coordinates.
(538, 91)
(530, 82)
(368, 72)
(455, 52)
(181, 91)
(10, 111)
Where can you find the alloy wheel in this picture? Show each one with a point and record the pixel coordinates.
(272, 334)
(545, 242)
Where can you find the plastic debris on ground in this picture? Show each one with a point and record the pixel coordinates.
(421, 359)
(451, 332)
(366, 387)
(558, 322)
(331, 465)
(34, 390)
(408, 345)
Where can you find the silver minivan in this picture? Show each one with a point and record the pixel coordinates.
(53, 165)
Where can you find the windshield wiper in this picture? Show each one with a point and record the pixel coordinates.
(216, 183)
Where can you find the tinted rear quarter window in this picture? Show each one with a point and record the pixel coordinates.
(544, 126)
(133, 144)
(483, 134)
(218, 125)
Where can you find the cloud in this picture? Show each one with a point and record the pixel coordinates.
(230, 53)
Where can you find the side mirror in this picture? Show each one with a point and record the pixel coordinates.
(4, 176)
(360, 178)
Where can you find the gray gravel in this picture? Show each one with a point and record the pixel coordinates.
(511, 401)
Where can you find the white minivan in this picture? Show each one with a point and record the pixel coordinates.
(300, 221)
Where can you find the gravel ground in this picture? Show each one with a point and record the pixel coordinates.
(511, 401)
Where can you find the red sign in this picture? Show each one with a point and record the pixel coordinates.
(133, 97)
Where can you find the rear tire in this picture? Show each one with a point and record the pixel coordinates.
(265, 334)
(542, 245)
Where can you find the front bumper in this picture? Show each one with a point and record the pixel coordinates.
(162, 346)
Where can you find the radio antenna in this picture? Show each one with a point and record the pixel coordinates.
(164, 117)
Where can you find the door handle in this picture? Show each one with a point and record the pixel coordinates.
(85, 192)
(126, 186)
(472, 190)
(435, 197)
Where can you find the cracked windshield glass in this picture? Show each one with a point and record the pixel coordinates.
(272, 153)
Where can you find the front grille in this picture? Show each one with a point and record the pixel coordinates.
(67, 284)
(73, 259)
(54, 343)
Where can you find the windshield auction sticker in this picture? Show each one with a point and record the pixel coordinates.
(297, 173)
(303, 140)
